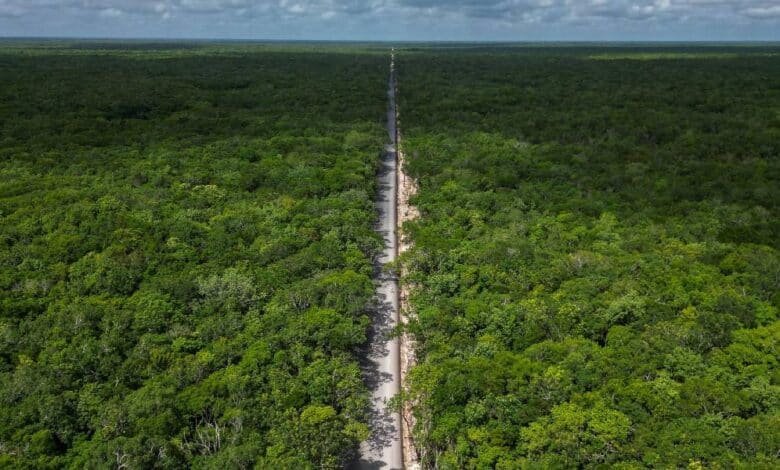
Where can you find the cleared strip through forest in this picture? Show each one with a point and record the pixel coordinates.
(382, 365)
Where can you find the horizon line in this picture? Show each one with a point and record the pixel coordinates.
(389, 41)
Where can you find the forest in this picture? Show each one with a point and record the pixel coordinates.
(186, 245)
(595, 270)
(187, 248)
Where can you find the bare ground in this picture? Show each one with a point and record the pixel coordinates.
(407, 188)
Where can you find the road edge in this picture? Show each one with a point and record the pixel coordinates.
(406, 212)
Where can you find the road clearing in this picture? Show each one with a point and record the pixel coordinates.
(382, 369)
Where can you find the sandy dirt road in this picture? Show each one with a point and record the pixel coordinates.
(382, 365)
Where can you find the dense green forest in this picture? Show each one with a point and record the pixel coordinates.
(186, 249)
(596, 268)
(185, 253)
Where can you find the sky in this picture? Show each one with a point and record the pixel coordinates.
(397, 20)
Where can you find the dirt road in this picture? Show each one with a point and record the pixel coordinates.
(382, 369)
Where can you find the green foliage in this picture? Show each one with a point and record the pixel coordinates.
(595, 272)
(185, 254)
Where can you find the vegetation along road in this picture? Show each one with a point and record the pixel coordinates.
(199, 253)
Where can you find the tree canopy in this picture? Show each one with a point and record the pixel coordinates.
(595, 269)
(185, 255)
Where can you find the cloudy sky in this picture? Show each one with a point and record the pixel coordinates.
(518, 20)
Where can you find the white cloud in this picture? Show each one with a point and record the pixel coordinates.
(11, 10)
(504, 13)
(553, 10)
(763, 12)
(111, 13)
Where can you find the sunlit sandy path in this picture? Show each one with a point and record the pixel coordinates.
(383, 450)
